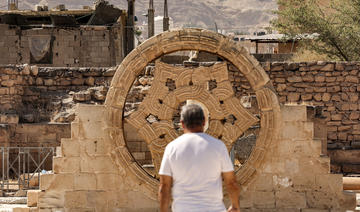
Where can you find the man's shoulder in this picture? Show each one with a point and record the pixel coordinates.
(213, 139)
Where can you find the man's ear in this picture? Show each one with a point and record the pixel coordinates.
(182, 124)
(203, 124)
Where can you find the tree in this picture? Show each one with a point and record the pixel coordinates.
(336, 25)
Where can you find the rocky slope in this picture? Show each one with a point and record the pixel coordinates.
(231, 15)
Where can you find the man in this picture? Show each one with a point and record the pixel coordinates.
(192, 169)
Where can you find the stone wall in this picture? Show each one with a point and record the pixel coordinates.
(292, 177)
(90, 46)
(31, 135)
(33, 94)
(333, 86)
(37, 104)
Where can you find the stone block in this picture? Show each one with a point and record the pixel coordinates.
(281, 87)
(336, 98)
(294, 79)
(352, 79)
(333, 183)
(353, 97)
(333, 89)
(293, 97)
(336, 117)
(97, 147)
(298, 131)
(319, 78)
(32, 198)
(344, 128)
(306, 97)
(326, 97)
(85, 181)
(320, 89)
(70, 148)
(246, 200)
(343, 136)
(294, 113)
(290, 199)
(308, 78)
(108, 182)
(264, 182)
(98, 164)
(76, 199)
(57, 182)
(25, 209)
(90, 113)
(304, 182)
(264, 199)
(91, 129)
(66, 164)
(321, 200)
(317, 97)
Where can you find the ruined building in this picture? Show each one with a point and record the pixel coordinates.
(108, 148)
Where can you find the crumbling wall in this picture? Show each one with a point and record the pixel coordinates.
(31, 94)
(85, 46)
(333, 86)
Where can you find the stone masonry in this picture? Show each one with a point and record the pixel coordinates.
(91, 46)
(335, 88)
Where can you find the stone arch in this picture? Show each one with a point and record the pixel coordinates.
(200, 40)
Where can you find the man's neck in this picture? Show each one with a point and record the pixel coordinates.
(194, 130)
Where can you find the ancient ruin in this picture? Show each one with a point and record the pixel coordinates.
(95, 171)
(93, 122)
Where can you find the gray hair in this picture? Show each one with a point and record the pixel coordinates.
(192, 116)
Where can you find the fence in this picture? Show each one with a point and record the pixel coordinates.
(21, 166)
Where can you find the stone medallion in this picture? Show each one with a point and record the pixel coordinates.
(190, 84)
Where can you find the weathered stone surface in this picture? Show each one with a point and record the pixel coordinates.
(294, 79)
(34, 70)
(82, 96)
(32, 198)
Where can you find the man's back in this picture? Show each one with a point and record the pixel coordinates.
(195, 161)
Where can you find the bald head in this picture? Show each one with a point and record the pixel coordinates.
(192, 116)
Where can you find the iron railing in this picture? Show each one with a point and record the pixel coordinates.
(20, 165)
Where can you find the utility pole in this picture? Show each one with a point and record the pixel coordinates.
(151, 19)
(166, 17)
(130, 27)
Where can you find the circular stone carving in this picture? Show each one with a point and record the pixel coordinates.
(190, 85)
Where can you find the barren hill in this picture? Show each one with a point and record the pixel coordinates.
(231, 15)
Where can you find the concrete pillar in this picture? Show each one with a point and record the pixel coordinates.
(130, 27)
(13, 4)
(151, 19)
(166, 17)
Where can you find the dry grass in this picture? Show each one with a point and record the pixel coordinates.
(308, 56)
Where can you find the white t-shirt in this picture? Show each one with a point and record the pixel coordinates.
(195, 161)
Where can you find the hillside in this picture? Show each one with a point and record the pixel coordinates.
(231, 15)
